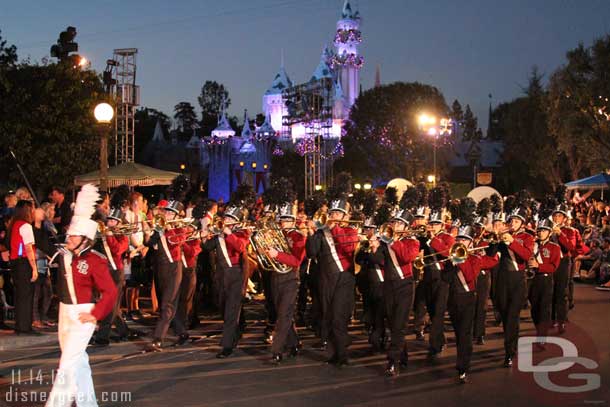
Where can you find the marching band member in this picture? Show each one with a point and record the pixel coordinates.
(462, 297)
(269, 211)
(82, 270)
(515, 249)
(190, 250)
(285, 286)
(114, 246)
(205, 271)
(439, 243)
(374, 273)
(396, 257)
(544, 263)
(498, 224)
(423, 280)
(167, 245)
(230, 247)
(334, 246)
(483, 285)
(565, 236)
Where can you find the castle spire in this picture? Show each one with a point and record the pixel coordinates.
(246, 131)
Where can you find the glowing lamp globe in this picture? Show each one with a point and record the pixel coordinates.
(103, 113)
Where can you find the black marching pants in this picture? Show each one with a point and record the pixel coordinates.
(436, 299)
(229, 283)
(509, 298)
(461, 310)
(185, 300)
(337, 291)
(398, 297)
(377, 306)
(419, 305)
(24, 294)
(561, 278)
(169, 278)
(480, 310)
(269, 296)
(284, 289)
(541, 299)
(103, 334)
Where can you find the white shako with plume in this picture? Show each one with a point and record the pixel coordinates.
(82, 224)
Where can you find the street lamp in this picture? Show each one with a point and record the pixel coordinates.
(357, 186)
(428, 124)
(103, 113)
(367, 186)
(318, 187)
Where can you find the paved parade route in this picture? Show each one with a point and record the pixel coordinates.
(190, 375)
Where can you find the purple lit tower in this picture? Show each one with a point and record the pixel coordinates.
(220, 150)
(346, 61)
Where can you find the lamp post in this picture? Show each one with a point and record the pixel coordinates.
(434, 128)
(103, 113)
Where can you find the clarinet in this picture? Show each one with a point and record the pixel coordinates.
(530, 272)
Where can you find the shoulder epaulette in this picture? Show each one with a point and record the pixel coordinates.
(98, 254)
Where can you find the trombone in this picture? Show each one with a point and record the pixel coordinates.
(458, 253)
(321, 220)
(387, 233)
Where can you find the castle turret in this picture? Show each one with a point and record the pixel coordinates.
(272, 99)
(347, 62)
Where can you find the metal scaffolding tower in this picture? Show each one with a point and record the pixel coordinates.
(311, 105)
(127, 96)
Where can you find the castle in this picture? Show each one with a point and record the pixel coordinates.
(246, 158)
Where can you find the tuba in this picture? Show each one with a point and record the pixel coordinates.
(270, 236)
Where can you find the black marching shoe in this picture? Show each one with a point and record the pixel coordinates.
(332, 360)
(508, 362)
(182, 338)
(462, 378)
(432, 355)
(480, 340)
(344, 362)
(294, 352)
(224, 353)
(154, 346)
(561, 328)
(322, 345)
(419, 335)
(391, 370)
(276, 359)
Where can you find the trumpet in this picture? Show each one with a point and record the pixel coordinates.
(497, 237)
(121, 229)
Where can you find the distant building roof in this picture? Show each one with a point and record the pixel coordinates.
(489, 151)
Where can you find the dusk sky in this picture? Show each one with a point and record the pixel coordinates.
(466, 48)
